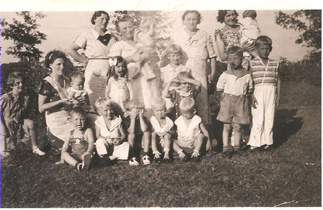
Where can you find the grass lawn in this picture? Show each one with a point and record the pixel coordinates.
(289, 176)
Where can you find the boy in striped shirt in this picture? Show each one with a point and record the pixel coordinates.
(265, 99)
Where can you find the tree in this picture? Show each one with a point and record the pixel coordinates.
(308, 22)
(24, 35)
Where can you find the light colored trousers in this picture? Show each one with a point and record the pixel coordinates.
(263, 116)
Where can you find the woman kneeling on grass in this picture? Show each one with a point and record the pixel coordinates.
(81, 142)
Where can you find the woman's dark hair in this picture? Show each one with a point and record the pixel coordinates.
(97, 14)
(53, 55)
(222, 14)
(13, 76)
(199, 16)
(124, 65)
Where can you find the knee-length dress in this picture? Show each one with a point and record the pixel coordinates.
(197, 49)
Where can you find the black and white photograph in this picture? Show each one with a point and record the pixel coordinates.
(161, 104)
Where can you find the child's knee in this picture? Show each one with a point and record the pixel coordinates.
(227, 127)
(237, 127)
(29, 123)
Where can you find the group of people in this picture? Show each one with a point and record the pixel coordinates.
(130, 104)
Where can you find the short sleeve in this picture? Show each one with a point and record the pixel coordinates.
(81, 40)
(115, 50)
(221, 82)
(45, 88)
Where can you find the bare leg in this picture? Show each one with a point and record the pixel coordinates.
(69, 159)
(199, 142)
(146, 137)
(237, 135)
(30, 130)
(225, 136)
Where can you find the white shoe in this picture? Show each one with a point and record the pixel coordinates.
(145, 160)
(37, 151)
(133, 162)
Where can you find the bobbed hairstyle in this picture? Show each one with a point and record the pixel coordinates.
(158, 102)
(102, 102)
(222, 14)
(119, 59)
(13, 76)
(235, 50)
(173, 48)
(78, 111)
(134, 103)
(187, 104)
(97, 14)
(263, 40)
(53, 55)
(199, 16)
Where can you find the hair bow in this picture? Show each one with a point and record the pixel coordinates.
(112, 61)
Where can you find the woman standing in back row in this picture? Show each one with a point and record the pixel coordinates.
(96, 43)
(198, 47)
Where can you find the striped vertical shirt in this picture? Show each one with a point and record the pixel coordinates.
(262, 74)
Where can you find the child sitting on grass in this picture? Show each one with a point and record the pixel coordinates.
(15, 109)
(138, 132)
(190, 130)
(76, 92)
(265, 74)
(111, 138)
(162, 128)
(234, 85)
(188, 87)
(80, 141)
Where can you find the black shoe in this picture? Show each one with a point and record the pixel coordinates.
(196, 159)
(268, 148)
(226, 154)
(255, 150)
(239, 152)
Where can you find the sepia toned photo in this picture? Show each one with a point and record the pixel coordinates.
(117, 107)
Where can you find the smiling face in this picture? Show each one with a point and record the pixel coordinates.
(78, 121)
(106, 111)
(191, 21)
(230, 18)
(234, 60)
(102, 21)
(174, 58)
(120, 69)
(18, 86)
(126, 30)
(186, 86)
(57, 66)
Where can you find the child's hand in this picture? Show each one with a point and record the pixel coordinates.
(254, 101)
(110, 141)
(116, 141)
(133, 113)
(277, 99)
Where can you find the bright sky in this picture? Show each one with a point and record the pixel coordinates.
(62, 27)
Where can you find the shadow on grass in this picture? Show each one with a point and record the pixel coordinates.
(286, 125)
